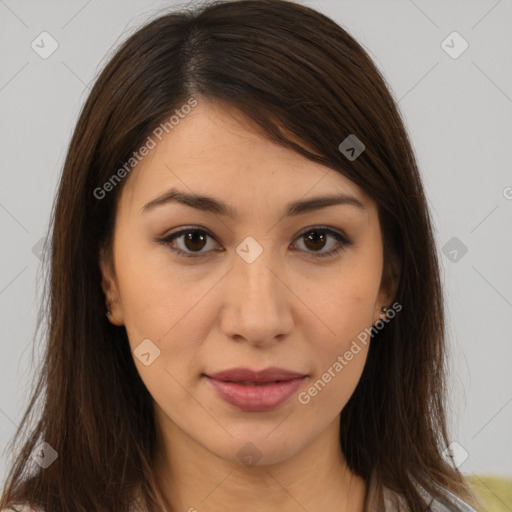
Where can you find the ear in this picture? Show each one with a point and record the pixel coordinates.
(110, 288)
(388, 286)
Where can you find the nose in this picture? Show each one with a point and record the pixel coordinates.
(258, 302)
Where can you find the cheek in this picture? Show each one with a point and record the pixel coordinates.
(158, 304)
(156, 298)
(172, 308)
(344, 307)
(343, 304)
(338, 353)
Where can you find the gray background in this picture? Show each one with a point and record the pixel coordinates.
(457, 111)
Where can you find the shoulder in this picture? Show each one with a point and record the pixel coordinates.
(462, 506)
(437, 506)
(22, 508)
(396, 502)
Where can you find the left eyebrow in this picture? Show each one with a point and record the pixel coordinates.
(212, 205)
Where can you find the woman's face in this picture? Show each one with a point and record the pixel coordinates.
(267, 285)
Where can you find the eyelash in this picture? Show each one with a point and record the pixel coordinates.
(166, 240)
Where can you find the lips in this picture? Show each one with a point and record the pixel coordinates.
(255, 391)
(247, 375)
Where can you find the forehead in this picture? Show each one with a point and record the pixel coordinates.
(217, 151)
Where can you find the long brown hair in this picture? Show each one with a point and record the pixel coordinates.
(308, 85)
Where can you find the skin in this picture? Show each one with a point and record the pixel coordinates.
(217, 311)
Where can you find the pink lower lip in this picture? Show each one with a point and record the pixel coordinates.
(255, 398)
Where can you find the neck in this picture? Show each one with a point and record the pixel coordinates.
(193, 478)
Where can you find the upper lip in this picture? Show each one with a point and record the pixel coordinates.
(247, 375)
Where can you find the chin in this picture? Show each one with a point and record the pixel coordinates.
(256, 447)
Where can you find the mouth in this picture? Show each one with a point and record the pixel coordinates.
(255, 391)
(248, 383)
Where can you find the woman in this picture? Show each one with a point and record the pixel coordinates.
(244, 299)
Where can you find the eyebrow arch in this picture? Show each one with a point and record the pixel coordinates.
(212, 205)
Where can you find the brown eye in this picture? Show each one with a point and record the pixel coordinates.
(316, 239)
(189, 242)
(194, 241)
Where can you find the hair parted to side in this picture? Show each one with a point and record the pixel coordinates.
(307, 84)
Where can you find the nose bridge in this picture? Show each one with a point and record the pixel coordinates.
(257, 299)
(253, 270)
